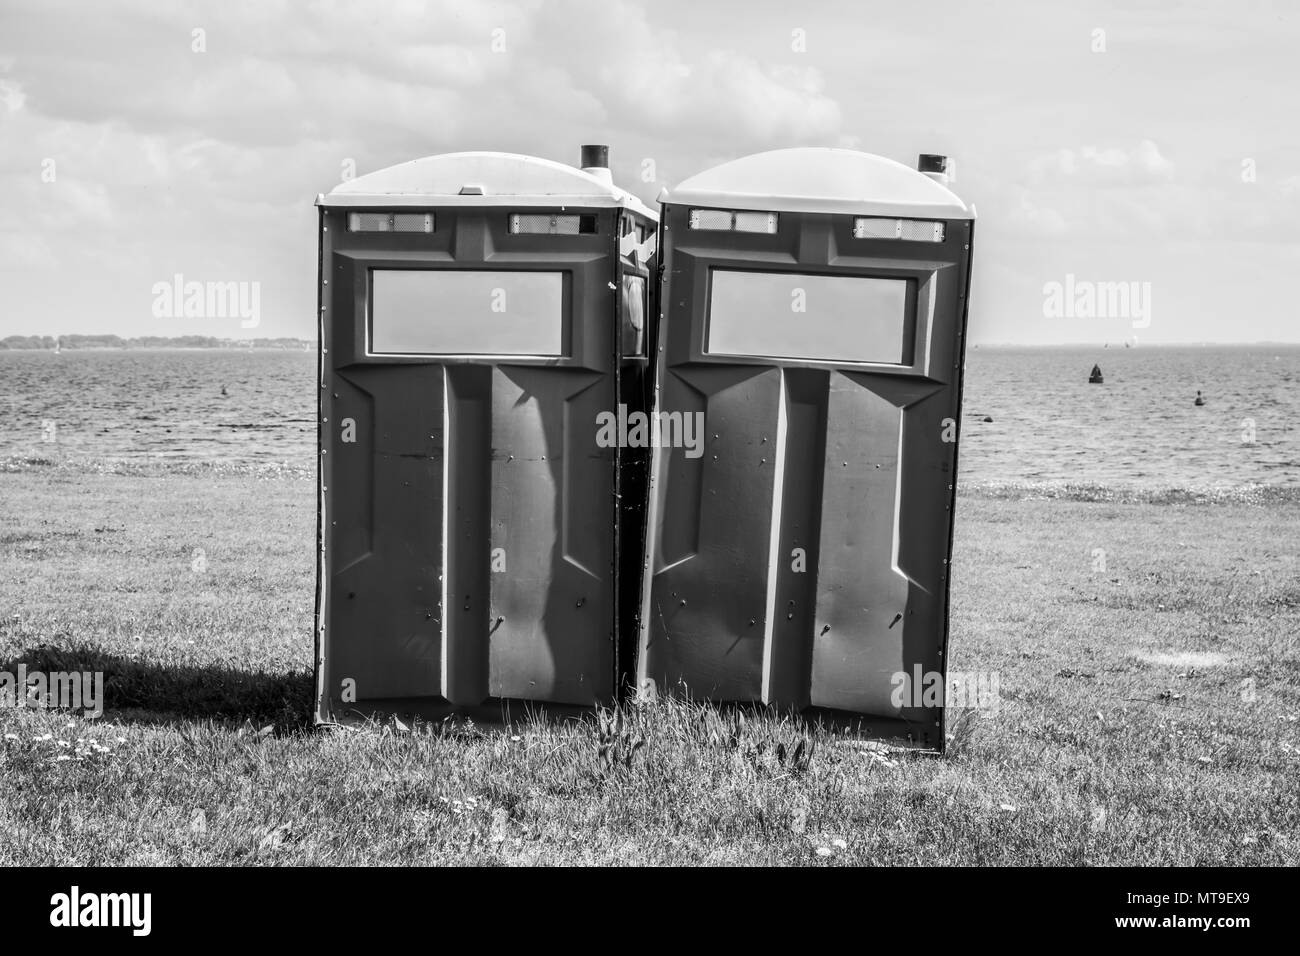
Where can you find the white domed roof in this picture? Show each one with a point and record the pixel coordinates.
(820, 179)
(481, 179)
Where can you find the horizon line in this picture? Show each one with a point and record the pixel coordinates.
(970, 345)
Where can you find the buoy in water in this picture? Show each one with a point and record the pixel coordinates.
(1200, 399)
(1094, 377)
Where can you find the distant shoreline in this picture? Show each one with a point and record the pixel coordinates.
(172, 348)
(105, 343)
(1120, 346)
(309, 345)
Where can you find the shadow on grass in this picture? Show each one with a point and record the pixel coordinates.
(150, 692)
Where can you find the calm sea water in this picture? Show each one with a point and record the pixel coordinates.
(164, 404)
(1139, 429)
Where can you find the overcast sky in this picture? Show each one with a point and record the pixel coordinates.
(1137, 142)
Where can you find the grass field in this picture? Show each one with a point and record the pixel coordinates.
(1150, 697)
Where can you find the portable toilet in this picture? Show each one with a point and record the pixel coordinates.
(479, 312)
(813, 310)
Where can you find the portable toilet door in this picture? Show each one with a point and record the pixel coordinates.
(470, 310)
(808, 388)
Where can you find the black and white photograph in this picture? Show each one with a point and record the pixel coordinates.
(597, 434)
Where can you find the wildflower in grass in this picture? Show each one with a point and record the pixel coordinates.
(500, 825)
(824, 851)
(839, 843)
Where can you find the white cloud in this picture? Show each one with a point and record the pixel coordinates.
(207, 163)
(1104, 165)
(1026, 217)
(12, 97)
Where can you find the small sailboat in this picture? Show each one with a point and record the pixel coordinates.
(1094, 377)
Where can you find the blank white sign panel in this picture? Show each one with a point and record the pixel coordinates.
(813, 317)
(461, 312)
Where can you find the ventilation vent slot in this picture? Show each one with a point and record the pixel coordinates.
(726, 220)
(548, 224)
(909, 230)
(390, 222)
